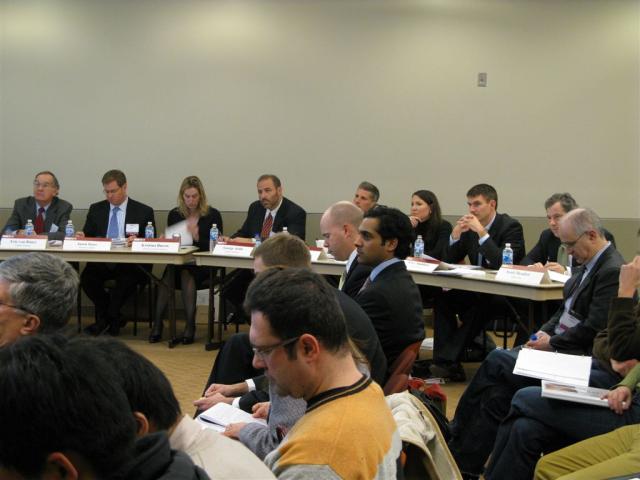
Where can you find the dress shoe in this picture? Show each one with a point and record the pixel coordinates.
(156, 332)
(452, 372)
(155, 337)
(189, 334)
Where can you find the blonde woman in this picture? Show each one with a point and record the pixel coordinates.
(192, 208)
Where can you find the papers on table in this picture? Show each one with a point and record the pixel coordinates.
(573, 393)
(427, 344)
(554, 367)
(222, 414)
(181, 229)
(558, 277)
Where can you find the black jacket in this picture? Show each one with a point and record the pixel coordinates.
(289, 215)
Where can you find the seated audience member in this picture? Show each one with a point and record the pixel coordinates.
(426, 220)
(282, 251)
(58, 422)
(538, 425)
(339, 228)
(117, 217)
(571, 329)
(480, 235)
(549, 251)
(199, 217)
(366, 196)
(300, 339)
(156, 409)
(48, 212)
(37, 293)
(268, 215)
(389, 296)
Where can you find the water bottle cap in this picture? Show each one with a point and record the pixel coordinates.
(148, 223)
(507, 244)
(214, 225)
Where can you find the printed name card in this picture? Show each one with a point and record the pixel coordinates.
(155, 245)
(415, 264)
(522, 275)
(22, 242)
(317, 254)
(234, 249)
(87, 244)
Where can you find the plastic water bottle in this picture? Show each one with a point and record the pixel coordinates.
(418, 247)
(29, 229)
(507, 255)
(257, 240)
(149, 231)
(214, 233)
(69, 231)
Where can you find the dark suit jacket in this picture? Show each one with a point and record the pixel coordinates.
(503, 230)
(394, 305)
(590, 304)
(289, 215)
(547, 248)
(434, 245)
(97, 221)
(356, 276)
(25, 209)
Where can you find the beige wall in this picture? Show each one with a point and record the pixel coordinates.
(326, 94)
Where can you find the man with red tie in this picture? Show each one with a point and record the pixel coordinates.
(270, 214)
(48, 213)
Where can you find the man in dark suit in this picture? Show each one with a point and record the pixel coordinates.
(270, 214)
(339, 228)
(366, 196)
(480, 235)
(389, 296)
(571, 330)
(117, 217)
(48, 212)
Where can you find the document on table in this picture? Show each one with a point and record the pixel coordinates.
(181, 229)
(554, 367)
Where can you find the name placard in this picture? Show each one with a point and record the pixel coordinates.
(317, 254)
(234, 249)
(415, 264)
(154, 245)
(522, 275)
(87, 244)
(21, 242)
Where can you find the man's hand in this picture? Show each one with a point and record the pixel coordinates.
(233, 430)
(207, 402)
(629, 278)
(80, 234)
(619, 399)
(541, 342)
(622, 368)
(474, 225)
(261, 410)
(234, 390)
(555, 266)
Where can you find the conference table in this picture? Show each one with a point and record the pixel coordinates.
(125, 255)
(486, 283)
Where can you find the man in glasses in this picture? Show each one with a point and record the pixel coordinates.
(37, 293)
(117, 217)
(45, 209)
(572, 329)
(300, 339)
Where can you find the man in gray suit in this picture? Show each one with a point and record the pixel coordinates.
(49, 213)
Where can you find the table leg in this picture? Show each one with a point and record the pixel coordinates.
(216, 343)
(173, 340)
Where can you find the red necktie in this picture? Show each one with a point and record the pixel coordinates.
(39, 225)
(266, 227)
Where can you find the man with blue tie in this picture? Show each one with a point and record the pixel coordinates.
(118, 217)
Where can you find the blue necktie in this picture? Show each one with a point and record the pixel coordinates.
(113, 230)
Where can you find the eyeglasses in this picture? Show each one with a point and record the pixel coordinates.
(573, 244)
(264, 352)
(17, 307)
(43, 185)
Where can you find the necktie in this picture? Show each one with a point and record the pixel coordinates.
(39, 225)
(113, 231)
(365, 285)
(266, 227)
(343, 278)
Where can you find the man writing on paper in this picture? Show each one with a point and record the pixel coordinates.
(117, 217)
(270, 214)
(571, 329)
(48, 212)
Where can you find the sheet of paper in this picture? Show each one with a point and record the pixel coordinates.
(558, 277)
(180, 228)
(554, 367)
